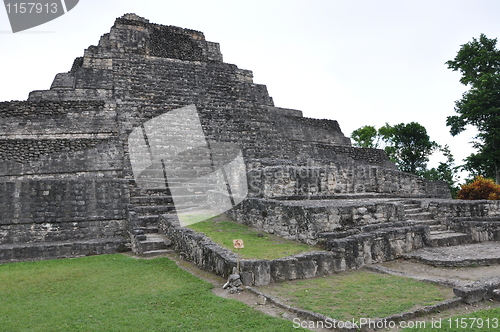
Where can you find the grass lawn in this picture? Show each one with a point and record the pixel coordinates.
(258, 244)
(118, 293)
(358, 294)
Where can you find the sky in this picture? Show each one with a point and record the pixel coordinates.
(360, 62)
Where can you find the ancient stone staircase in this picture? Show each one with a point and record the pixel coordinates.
(440, 235)
(148, 205)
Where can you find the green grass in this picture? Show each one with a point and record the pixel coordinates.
(189, 218)
(258, 245)
(358, 294)
(118, 293)
(479, 321)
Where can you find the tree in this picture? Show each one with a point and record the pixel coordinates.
(366, 137)
(479, 63)
(477, 164)
(446, 171)
(408, 145)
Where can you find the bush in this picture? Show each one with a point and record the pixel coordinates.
(480, 188)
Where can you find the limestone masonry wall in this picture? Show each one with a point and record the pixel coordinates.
(306, 221)
(447, 210)
(347, 253)
(337, 178)
(65, 171)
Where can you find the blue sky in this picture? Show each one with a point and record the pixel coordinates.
(358, 62)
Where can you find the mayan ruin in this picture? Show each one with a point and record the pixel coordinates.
(88, 167)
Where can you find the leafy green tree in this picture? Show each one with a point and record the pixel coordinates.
(408, 145)
(366, 137)
(446, 171)
(478, 164)
(479, 63)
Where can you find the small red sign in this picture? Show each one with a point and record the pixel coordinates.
(238, 244)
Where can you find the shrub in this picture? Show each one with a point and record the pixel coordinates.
(480, 188)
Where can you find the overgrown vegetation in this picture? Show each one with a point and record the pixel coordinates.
(258, 245)
(118, 293)
(359, 294)
(480, 188)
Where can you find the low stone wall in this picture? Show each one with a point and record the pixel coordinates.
(39, 233)
(479, 290)
(197, 248)
(209, 256)
(377, 246)
(447, 210)
(55, 250)
(305, 220)
(480, 230)
(348, 253)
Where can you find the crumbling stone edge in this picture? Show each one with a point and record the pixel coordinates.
(385, 270)
(209, 256)
(405, 316)
(479, 290)
(473, 292)
(342, 254)
(305, 314)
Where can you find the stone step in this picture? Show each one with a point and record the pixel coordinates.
(154, 242)
(475, 254)
(151, 200)
(147, 220)
(414, 210)
(429, 222)
(437, 227)
(188, 207)
(192, 198)
(447, 239)
(149, 229)
(159, 252)
(419, 216)
(136, 191)
(153, 209)
(411, 206)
